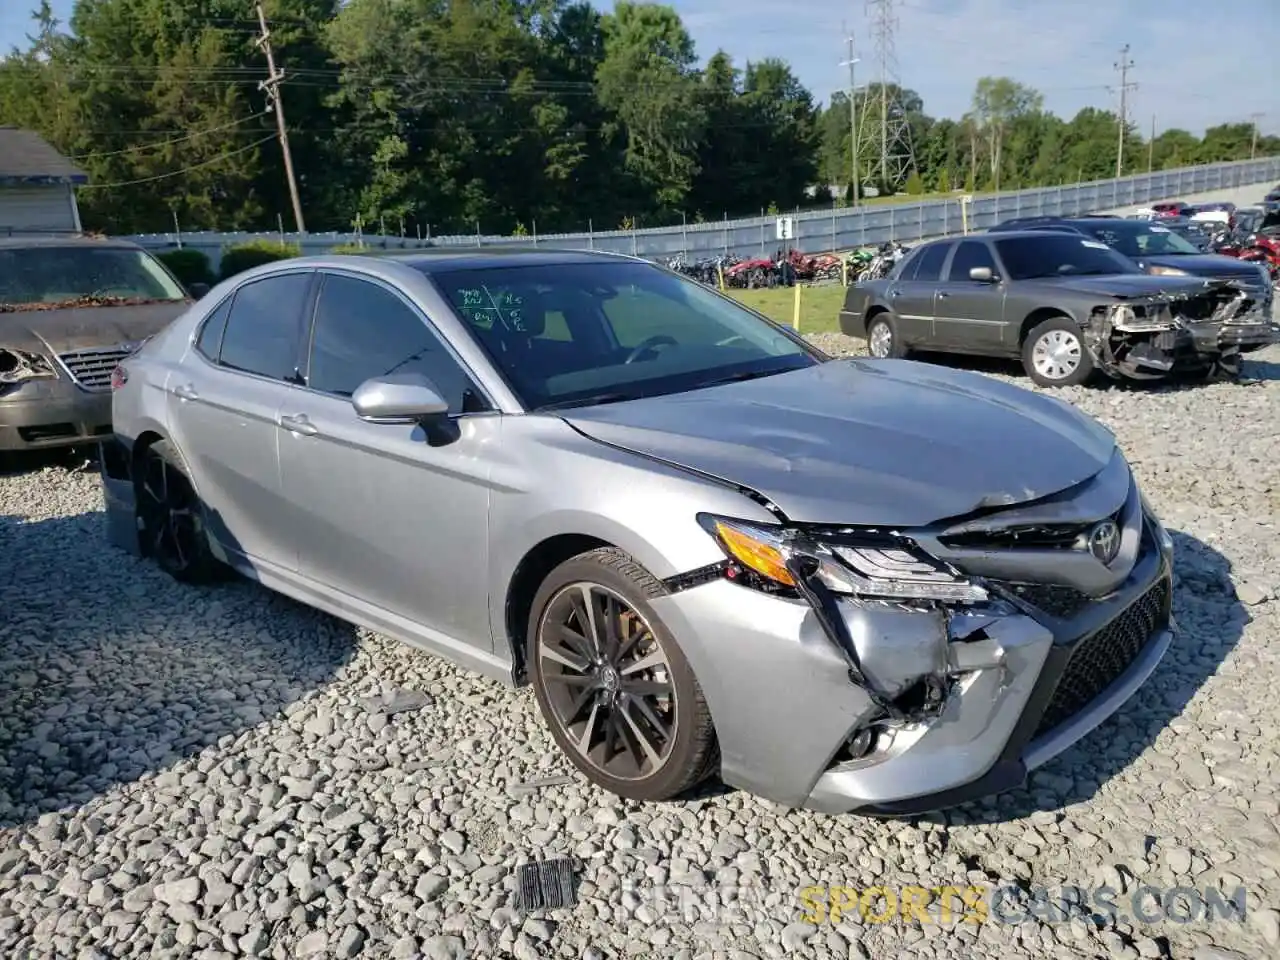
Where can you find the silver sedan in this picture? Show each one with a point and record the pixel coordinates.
(842, 584)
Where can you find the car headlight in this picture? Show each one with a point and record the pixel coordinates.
(874, 567)
(19, 365)
(1167, 271)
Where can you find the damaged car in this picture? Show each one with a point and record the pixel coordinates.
(70, 309)
(849, 585)
(1066, 305)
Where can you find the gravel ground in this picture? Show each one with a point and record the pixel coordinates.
(222, 773)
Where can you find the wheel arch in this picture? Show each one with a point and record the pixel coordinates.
(1038, 316)
(529, 573)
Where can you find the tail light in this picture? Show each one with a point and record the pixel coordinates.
(119, 376)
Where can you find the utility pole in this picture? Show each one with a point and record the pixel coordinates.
(853, 121)
(271, 86)
(1151, 146)
(1253, 144)
(1123, 65)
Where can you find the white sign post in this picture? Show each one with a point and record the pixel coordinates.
(786, 228)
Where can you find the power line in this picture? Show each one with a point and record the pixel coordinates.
(272, 87)
(177, 173)
(166, 143)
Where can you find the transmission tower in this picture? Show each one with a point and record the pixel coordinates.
(896, 157)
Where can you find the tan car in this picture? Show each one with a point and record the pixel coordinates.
(70, 309)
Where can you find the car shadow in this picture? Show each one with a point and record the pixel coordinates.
(28, 461)
(111, 671)
(1250, 369)
(1210, 622)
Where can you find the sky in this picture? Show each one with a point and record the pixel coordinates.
(1190, 73)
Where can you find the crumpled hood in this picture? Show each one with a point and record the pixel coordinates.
(1206, 265)
(81, 328)
(866, 442)
(1129, 286)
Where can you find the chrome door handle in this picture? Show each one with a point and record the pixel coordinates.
(942, 294)
(299, 425)
(186, 392)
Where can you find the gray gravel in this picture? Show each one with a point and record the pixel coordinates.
(223, 773)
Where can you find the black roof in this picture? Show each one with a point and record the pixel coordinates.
(25, 158)
(444, 259)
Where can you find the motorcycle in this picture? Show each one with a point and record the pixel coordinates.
(1252, 248)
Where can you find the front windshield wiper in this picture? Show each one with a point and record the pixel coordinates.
(737, 377)
(594, 400)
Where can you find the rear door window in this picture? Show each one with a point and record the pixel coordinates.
(264, 328)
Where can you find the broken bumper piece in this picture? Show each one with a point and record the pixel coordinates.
(1153, 339)
(1013, 687)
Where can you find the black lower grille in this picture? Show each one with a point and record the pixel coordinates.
(1099, 659)
(1057, 601)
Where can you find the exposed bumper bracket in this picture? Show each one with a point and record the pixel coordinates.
(823, 602)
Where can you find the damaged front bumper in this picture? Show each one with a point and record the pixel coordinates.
(1159, 336)
(1007, 686)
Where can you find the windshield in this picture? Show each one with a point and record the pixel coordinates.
(1060, 255)
(566, 334)
(48, 276)
(1142, 239)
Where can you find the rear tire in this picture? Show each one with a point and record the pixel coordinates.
(625, 709)
(1054, 354)
(171, 519)
(883, 340)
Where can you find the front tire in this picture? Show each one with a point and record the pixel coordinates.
(1054, 354)
(170, 517)
(620, 699)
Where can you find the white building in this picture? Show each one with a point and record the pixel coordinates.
(37, 185)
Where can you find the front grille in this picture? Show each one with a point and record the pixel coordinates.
(1099, 659)
(91, 369)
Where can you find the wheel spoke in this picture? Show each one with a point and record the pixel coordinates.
(638, 733)
(584, 741)
(585, 603)
(647, 688)
(660, 726)
(653, 658)
(563, 658)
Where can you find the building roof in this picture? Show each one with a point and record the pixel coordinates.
(25, 158)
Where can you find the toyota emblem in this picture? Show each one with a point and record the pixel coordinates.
(1104, 541)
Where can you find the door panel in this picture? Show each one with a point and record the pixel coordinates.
(912, 303)
(379, 513)
(969, 314)
(224, 405)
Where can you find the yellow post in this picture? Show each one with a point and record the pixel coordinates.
(720, 274)
(795, 316)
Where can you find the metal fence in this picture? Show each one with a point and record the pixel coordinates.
(840, 228)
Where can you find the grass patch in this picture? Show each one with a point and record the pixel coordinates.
(819, 306)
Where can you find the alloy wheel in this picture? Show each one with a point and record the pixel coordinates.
(881, 340)
(607, 681)
(168, 509)
(1057, 354)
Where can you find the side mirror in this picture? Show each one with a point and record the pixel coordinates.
(400, 398)
(981, 275)
(198, 290)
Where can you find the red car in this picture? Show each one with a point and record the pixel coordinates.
(1172, 208)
